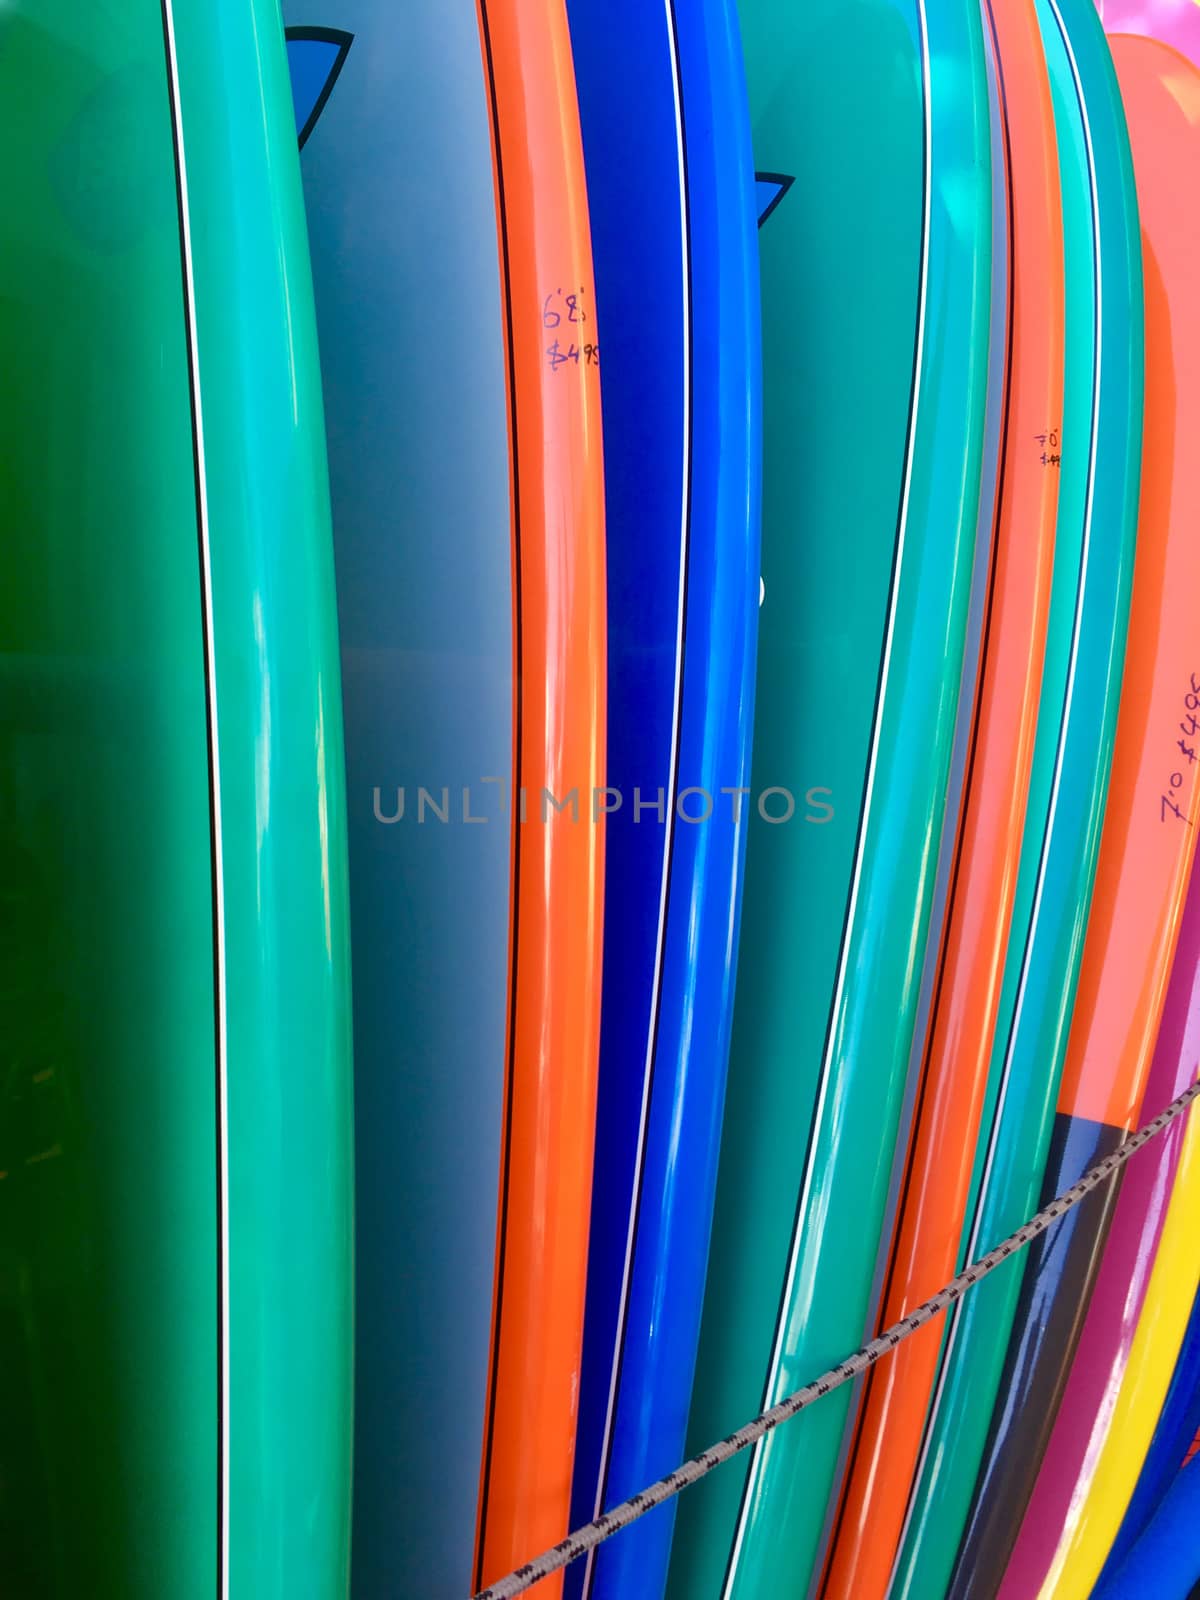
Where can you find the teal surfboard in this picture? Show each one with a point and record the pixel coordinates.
(1085, 652)
(871, 135)
(175, 1161)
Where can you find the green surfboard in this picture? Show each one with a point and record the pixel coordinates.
(1095, 544)
(175, 1140)
(871, 122)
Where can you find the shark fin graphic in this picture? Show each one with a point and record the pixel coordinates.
(770, 188)
(315, 57)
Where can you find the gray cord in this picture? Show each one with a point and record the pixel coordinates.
(587, 1538)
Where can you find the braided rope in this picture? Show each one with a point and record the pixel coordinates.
(587, 1538)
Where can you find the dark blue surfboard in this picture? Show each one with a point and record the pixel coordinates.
(673, 204)
(1168, 1548)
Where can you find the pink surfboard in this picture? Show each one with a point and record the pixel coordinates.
(1174, 22)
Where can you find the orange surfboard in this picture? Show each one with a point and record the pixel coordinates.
(559, 730)
(1146, 849)
(887, 1436)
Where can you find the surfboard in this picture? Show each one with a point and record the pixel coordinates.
(175, 1204)
(1168, 1548)
(456, 313)
(1128, 1258)
(973, 648)
(1175, 22)
(1137, 1405)
(1145, 855)
(1094, 545)
(674, 234)
(1174, 1432)
(860, 655)
(425, 610)
(957, 1047)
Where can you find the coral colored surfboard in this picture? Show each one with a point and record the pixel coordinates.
(1120, 1291)
(472, 604)
(674, 234)
(1149, 829)
(175, 1141)
(958, 1045)
(875, 390)
(1094, 544)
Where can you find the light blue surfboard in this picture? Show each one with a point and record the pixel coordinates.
(397, 168)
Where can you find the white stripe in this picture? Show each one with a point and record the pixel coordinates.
(652, 1034)
(215, 798)
(1056, 790)
(777, 1354)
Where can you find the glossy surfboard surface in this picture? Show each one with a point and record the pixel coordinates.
(1148, 840)
(558, 543)
(860, 655)
(1174, 22)
(674, 234)
(1144, 1384)
(1169, 1548)
(477, 988)
(425, 610)
(958, 1045)
(1094, 546)
(175, 1210)
(1128, 1256)
(1178, 1423)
